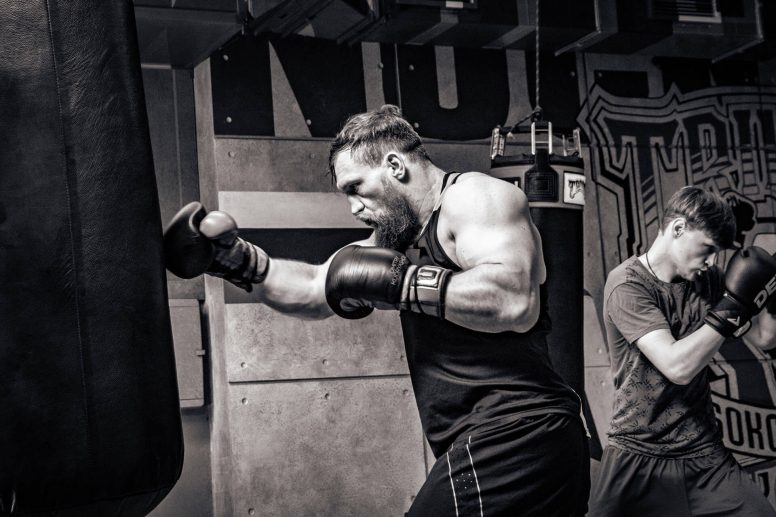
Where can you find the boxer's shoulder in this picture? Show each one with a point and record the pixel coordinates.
(626, 273)
(475, 191)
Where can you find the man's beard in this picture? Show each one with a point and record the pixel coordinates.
(398, 226)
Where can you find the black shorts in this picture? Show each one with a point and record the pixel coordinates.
(536, 465)
(635, 484)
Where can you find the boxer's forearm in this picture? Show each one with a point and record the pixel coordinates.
(694, 352)
(763, 333)
(295, 288)
(492, 298)
(681, 360)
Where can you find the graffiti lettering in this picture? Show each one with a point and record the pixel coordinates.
(745, 428)
(644, 149)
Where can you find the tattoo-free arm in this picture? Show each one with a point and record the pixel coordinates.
(763, 331)
(680, 360)
(499, 250)
(298, 288)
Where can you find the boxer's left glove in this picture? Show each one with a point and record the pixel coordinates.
(361, 279)
(750, 278)
(197, 242)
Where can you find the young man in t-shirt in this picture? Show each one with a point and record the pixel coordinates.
(666, 314)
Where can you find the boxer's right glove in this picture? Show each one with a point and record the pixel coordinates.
(197, 242)
(750, 278)
(362, 278)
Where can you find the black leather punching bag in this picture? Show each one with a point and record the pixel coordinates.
(89, 414)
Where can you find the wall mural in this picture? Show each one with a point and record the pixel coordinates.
(724, 139)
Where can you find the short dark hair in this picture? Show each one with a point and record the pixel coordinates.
(705, 211)
(371, 134)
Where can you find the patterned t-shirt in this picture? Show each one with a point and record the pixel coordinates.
(652, 415)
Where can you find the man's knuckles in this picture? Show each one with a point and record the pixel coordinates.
(219, 226)
(187, 253)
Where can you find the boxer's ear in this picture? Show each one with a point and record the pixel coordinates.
(678, 226)
(396, 165)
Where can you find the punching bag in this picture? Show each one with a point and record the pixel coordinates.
(89, 415)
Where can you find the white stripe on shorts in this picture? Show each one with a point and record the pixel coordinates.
(479, 496)
(452, 485)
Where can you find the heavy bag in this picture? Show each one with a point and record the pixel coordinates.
(89, 414)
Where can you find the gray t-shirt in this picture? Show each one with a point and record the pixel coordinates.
(652, 415)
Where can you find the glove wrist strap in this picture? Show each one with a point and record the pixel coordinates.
(241, 263)
(729, 317)
(426, 290)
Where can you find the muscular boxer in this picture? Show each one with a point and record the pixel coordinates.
(458, 256)
(666, 313)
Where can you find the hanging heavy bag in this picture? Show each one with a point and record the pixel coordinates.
(89, 414)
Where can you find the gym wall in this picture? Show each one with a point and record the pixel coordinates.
(317, 418)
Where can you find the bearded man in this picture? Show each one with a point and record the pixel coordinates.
(460, 259)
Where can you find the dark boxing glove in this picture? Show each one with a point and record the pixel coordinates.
(361, 279)
(187, 253)
(197, 242)
(771, 307)
(750, 278)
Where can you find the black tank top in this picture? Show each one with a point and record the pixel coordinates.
(464, 379)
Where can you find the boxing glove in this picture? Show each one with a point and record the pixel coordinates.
(771, 306)
(361, 279)
(187, 253)
(750, 279)
(197, 242)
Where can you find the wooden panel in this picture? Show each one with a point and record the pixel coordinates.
(187, 338)
(283, 165)
(265, 345)
(300, 165)
(346, 447)
(288, 210)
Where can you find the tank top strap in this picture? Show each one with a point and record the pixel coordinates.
(427, 249)
(448, 175)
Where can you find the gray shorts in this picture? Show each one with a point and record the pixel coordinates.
(629, 483)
